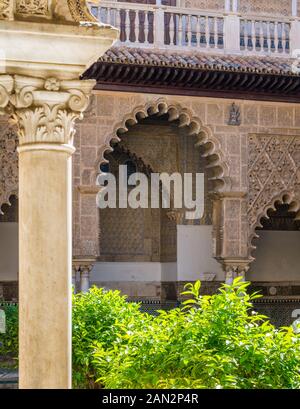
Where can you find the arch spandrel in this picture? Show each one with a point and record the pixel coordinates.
(274, 176)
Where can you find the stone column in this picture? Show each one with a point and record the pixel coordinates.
(74, 273)
(84, 266)
(45, 111)
(45, 47)
(234, 269)
(85, 280)
(230, 233)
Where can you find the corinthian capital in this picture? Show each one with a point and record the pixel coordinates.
(45, 110)
(6, 87)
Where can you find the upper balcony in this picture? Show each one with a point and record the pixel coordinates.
(245, 27)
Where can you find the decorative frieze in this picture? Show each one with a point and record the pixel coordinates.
(40, 8)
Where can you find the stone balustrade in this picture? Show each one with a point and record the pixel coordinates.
(227, 30)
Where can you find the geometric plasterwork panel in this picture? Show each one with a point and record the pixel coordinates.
(203, 4)
(122, 231)
(33, 7)
(273, 167)
(6, 9)
(8, 165)
(274, 7)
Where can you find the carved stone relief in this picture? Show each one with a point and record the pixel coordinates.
(203, 4)
(8, 165)
(274, 7)
(273, 170)
(46, 110)
(73, 11)
(6, 9)
(33, 7)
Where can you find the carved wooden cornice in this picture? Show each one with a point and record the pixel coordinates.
(196, 74)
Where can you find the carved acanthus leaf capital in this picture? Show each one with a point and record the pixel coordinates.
(235, 268)
(176, 215)
(6, 87)
(83, 265)
(45, 110)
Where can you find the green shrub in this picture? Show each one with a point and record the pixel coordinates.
(99, 317)
(216, 342)
(212, 342)
(9, 340)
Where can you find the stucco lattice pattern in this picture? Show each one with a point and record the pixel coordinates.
(33, 7)
(274, 7)
(9, 166)
(6, 9)
(123, 231)
(274, 167)
(204, 4)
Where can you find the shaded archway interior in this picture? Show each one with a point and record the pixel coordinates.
(277, 256)
(159, 246)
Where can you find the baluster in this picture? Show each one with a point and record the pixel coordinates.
(216, 37)
(188, 30)
(171, 29)
(136, 26)
(96, 12)
(127, 26)
(207, 32)
(118, 19)
(276, 36)
(154, 28)
(198, 31)
(253, 34)
(242, 35)
(261, 36)
(100, 14)
(269, 33)
(107, 17)
(248, 34)
(180, 29)
(111, 16)
(222, 32)
(284, 38)
(119, 24)
(146, 29)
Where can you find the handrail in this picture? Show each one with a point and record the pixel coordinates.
(160, 26)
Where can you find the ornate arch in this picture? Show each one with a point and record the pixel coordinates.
(210, 146)
(285, 197)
